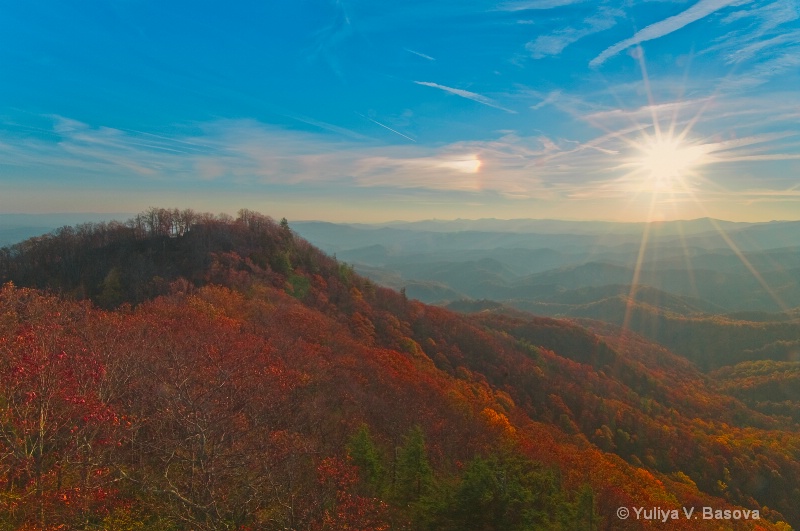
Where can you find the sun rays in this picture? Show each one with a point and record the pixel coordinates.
(665, 165)
(664, 162)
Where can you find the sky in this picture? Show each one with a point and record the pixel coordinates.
(367, 111)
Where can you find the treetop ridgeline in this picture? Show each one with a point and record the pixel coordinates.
(112, 263)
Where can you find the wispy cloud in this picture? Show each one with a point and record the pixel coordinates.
(769, 14)
(786, 61)
(685, 109)
(700, 10)
(73, 146)
(468, 95)
(554, 43)
(246, 155)
(746, 52)
(330, 39)
(549, 99)
(523, 5)
(765, 47)
(239, 152)
(762, 37)
(327, 127)
(420, 54)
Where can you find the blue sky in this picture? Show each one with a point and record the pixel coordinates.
(357, 110)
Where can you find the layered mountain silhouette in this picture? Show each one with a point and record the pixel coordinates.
(715, 292)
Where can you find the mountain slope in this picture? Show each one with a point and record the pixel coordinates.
(271, 387)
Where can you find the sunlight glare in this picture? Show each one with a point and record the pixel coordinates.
(662, 164)
(667, 161)
(470, 164)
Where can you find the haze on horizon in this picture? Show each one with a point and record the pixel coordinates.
(345, 111)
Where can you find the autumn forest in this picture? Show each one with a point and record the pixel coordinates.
(189, 371)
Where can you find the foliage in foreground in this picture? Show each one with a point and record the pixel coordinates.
(269, 387)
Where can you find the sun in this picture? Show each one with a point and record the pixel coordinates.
(666, 162)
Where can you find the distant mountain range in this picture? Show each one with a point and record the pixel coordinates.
(17, 227)
(680, 283)
(732, 266)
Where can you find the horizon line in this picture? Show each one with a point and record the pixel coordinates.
(112, 216)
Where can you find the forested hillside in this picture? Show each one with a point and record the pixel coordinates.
(717, 293)
(185, 371)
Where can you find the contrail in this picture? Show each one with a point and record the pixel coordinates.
(466, 94)
(386, 127)
(424, 56)
(700, 10)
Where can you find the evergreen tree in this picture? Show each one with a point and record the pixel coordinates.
(366, 457)
(413, 473)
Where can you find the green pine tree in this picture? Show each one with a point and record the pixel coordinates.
(413, 473)
(365, 456)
